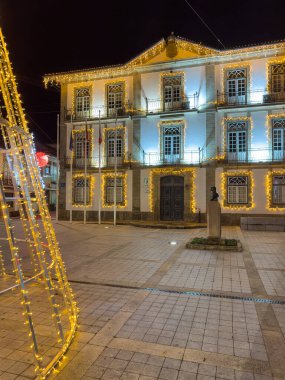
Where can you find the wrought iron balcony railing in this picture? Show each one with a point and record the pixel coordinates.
(175, 104)
(256, 97)
(99, 111)
(151, 106)
(253, 155)
(143, 159)
(93, 162)
(192, 157)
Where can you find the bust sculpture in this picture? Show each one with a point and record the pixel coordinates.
(214, 194)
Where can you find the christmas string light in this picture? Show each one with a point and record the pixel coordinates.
(18, 141)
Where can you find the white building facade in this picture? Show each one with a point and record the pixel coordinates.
(183, 117)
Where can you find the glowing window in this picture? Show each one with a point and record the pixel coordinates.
(79, 191)
(82, 104)
(278, 78)
(80, 139)
(115, 96)
(278, 189)
(237, 190)
(110, 184)
(172, 91)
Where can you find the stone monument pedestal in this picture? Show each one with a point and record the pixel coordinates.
(214, 220)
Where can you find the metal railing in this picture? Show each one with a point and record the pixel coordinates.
(93, 162)
(249, 98)
(180, 104)
(252, 155)
(99, 111)
(193, 157)
(151, 106)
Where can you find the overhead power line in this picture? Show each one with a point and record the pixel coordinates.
(40, 128)
(205, 24)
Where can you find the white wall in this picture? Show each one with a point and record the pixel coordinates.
(145, 190)
(95, 206)
(259, 193)
(200, 191)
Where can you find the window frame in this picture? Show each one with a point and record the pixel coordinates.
(79, 201)
(118, 100)
(273, 203)
(274, 66)
(236, 193)
(85, 101)
(108, 193)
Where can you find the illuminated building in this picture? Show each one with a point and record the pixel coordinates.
(188, 117)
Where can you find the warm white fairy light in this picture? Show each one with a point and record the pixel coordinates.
(18, 140)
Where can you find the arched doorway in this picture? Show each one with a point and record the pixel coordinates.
(172, 198)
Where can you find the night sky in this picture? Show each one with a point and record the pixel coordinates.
(58, 35)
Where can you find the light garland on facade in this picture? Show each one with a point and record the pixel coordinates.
(124, 139)
(269, 119)
(91, 180)
(128, 68)
(271, 62)
(225, 122)
(107, 175)
(224, 178)
(173, 122)
(177, 172)
(90, 139)
(88, 85)
(117, 81)
(239, 65)
(171, 73)
(269, 189)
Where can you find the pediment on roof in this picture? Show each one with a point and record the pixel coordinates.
(171, 49)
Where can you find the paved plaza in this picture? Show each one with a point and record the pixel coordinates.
(151, 310)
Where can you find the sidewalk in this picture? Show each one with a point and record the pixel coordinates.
(154, 310)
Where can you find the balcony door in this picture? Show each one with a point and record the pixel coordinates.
(236, 86)
(172, 198)
(172, 92)
(171, 144)
(278, 144)
(237, 141)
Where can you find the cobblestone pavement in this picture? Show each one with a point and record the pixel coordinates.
(151, 310)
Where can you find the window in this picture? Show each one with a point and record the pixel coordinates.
(172, 92)
(111, 143)
(171, 142)
(82, 103)
(278, 189)
(79, 189)
(79, 143)
(237, 140)
(278, 141)
(110, 183)
(237, 190)
(236, 86)
(115, 96)
(278, 78)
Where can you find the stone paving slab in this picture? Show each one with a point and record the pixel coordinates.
(128, 331)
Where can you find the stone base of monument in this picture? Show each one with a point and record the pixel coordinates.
(214, 244)
(214, 240)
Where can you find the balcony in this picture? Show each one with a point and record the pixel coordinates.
(253, 155)
(250, 98)
(186, 103)
(93, 162)
(152, 106)
(96, 112)
(193, 157)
